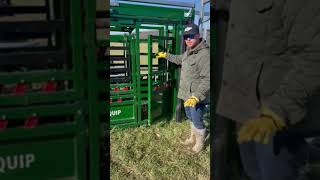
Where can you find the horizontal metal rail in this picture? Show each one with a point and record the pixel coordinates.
(36, 76)
(163, 2)
(120, 79)
(32, 26)
(36, 98)
(22, 9)
(118, 58)
(34, 59)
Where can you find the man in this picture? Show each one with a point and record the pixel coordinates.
(194, 83)
(257, 59)
(287, 106)
(302, 83)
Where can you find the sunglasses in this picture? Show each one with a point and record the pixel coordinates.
(189, 36)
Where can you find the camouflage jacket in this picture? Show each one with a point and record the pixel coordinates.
(271, 58)
(195, 72)
(256, 57)
(298, 97)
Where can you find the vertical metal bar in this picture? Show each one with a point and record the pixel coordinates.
(193, 12)
(77, 62)
(80, 150)
(162, 44)
(134, 73)
(77, 46)
(149, 78)
(94, 127)
(125, 64)
(177, 38)
(179, 43)
(59, 12)
(166, 34)
(137, 53)
(48, 18)
(201, 17)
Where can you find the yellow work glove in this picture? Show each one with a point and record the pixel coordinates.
(161, 55)
(191, 102)
(260, 128)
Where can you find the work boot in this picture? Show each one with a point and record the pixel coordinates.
(200, 135)
(191, 140)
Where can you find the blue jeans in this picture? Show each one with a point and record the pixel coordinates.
(278, 160)
(195, 114)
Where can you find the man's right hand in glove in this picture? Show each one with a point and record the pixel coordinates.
(191, 102)
(161, 55)
(260, 129)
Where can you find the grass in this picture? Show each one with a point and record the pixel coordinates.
(155, 153)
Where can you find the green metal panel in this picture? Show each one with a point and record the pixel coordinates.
(122, 114)
(38, 161)
(125, 111)
(28, 152)
(68, 117)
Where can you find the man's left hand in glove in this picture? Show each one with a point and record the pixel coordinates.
(161, 55)
(260, 129)
(191, 102)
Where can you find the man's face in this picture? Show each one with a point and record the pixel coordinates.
(192, 40)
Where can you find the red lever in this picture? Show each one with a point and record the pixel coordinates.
(110, 101)
(119, 100)
(31, 122)
(49, 86)
(3, 124)
(20, 89)
(126, 88)
(116, 89)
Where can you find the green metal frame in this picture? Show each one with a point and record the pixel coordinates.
(135, 18)
(69, 135)
(70, 119)
(94, 129)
